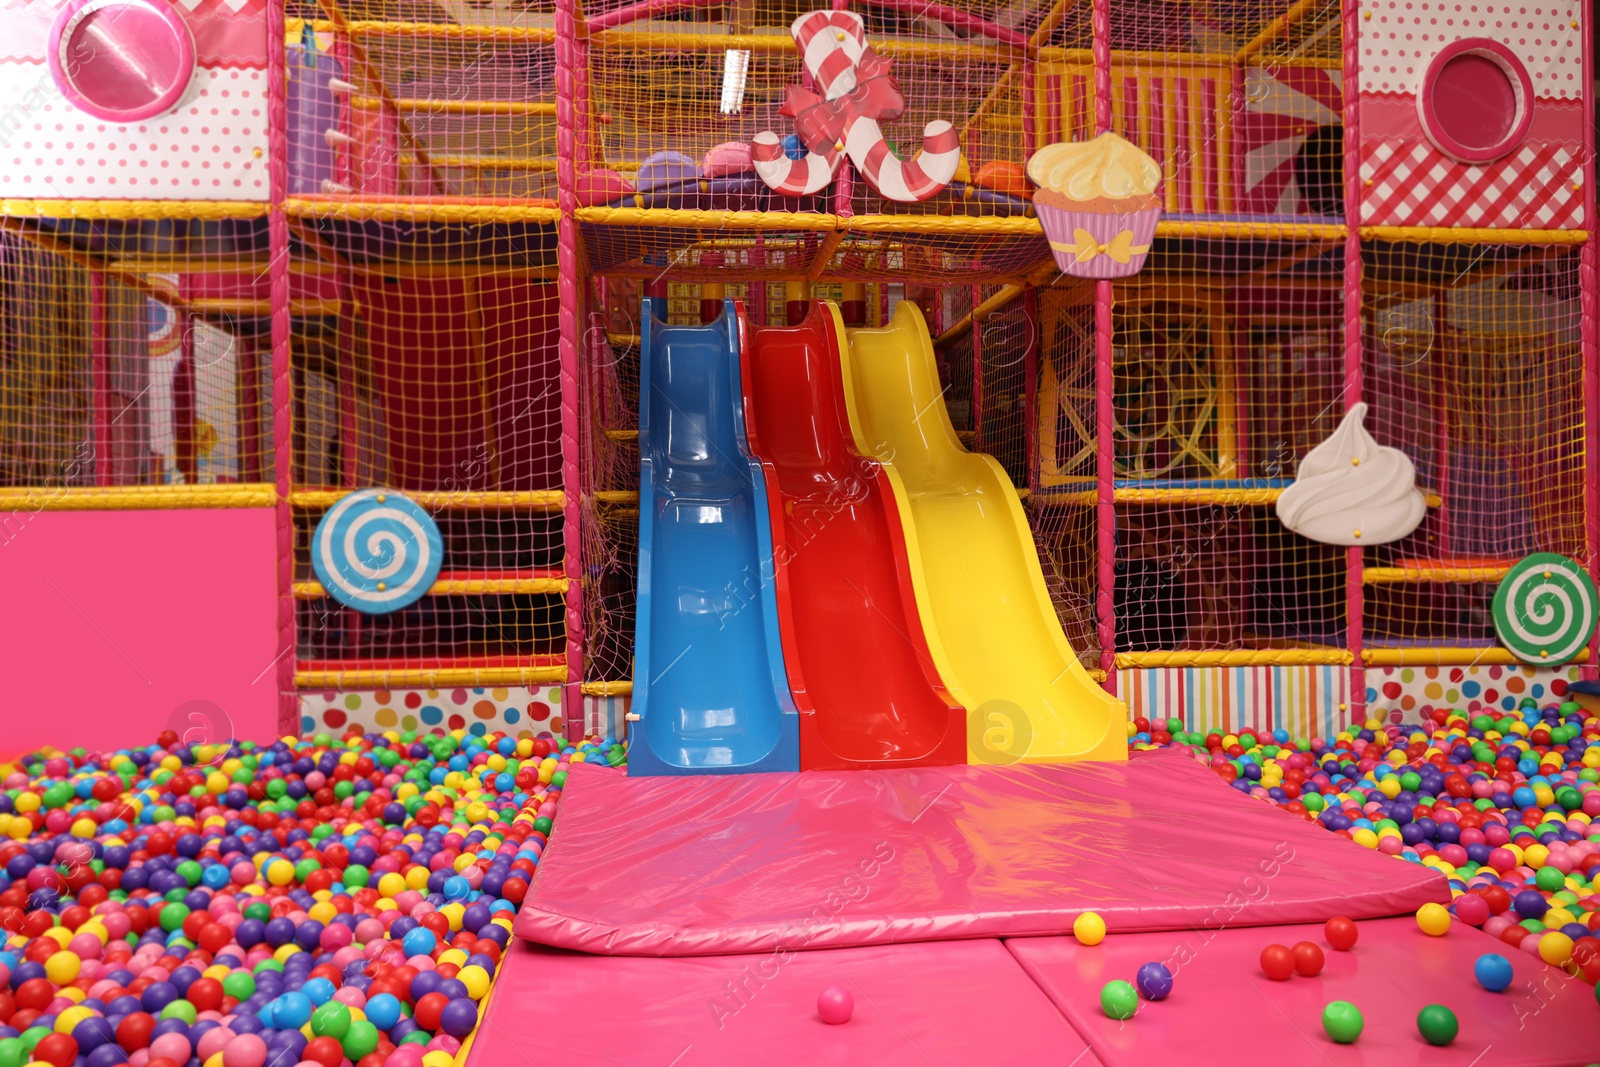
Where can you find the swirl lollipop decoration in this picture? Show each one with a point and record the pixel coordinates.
(376, 551)
(1545, 609)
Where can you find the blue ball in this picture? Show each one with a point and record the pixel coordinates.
(291, 1011)
(1154, 981)
(1493, 971)
(383, 1010)
(318, 990)
(419, 942)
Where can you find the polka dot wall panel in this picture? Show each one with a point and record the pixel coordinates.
(63, 138)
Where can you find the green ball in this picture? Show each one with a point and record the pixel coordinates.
(542, 824)
(1119, 1000)
(417, 1037)
(172, 916)
(1437, 1024)
(331, 1020)
(239, 986)
(1569, 798)
(189, 871)
(32, 1036)
(303, 869)
(180, 1009)
(11, 1053)
(559, 779)
(355, 876)
(258, 910)
(1342, 1022)
(1549, 879)
(360, 1040)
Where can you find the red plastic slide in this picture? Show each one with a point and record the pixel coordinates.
(853, 647)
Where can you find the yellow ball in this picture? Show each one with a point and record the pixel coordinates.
(453, 955)
(392, 884)
(437, 1058)
(83, 828)
(417, 878)
(1555, 948)
(454, 913)
(281, 873)
(1536, 855)
(26, 802)
(476, 979)
(1364, 837)
(72, 1016)
(62, 967)
(1434, 919)
(1089, 929)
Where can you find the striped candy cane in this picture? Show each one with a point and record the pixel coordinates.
(856, 91)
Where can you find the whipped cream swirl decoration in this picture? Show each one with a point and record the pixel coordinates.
(1352, 490)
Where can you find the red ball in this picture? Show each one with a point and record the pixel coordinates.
(1513, 935)
(1308, 960)
(323, 1050)
(428, 1010)
(205, 994)
(1277, 963)
(58, 1049)
(133, 1032)
(35, 993)
(1497, 898)
(1340, 933)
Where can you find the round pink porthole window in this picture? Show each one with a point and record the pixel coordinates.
(1475, 100)
(121, 60)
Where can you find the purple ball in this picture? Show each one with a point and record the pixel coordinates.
(459, 1017)
(1154, 981)
(1530, 904)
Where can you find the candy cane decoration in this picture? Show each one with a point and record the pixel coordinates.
(857, 91)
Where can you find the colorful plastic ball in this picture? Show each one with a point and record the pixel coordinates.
(330, 1020)
(1433, 919)
(1277, 962)
(1089, 928)
(1530, 904)
(1154, 981)
(1340, 933)
(362, 1039)
(1472, 909)
(1342, 1022)
(1555, 948)
(835, 1005)
(459, 1017)
(383, 1009)
(1119, 1000)
(56, 1049)
(62, 967)
(1437, 1024)
(1493, 972)
(244, 1050)
(1308, 959)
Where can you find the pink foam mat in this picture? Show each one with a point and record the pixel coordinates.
(957, 1003)
(1222, 1005)
(707, 865)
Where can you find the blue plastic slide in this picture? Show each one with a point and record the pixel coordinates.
(709, 687)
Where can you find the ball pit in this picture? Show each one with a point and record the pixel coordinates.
(1502, 804)
(316, 901)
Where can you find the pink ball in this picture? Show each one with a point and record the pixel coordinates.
(835, 1004)
(242, 873)
(173, 1046)
(336, 936)
(1391, 846)
(1495, 834)
(346, 956)
(1454, 855)
(369, 930)
(1472, 909)
(87, 946)
(407, 900)
(117, 923)
(212, 1041)
(246, 1050)
(352, 996)
(404, 1056)
(1502, 860)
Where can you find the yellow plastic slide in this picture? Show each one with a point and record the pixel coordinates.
(994, 636)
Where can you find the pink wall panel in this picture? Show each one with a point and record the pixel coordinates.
(120, 624)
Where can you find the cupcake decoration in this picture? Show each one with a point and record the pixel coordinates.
(1099, 202)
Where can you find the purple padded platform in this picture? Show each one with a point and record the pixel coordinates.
(713, 864)
(951, 1004)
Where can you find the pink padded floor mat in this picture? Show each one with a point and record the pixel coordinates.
(1222, 1003)
(710, 865)
(952, 1004)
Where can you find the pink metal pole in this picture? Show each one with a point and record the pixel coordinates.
(183, 385)
(977, 371)
(100, 368)
(1589, 287)
(282, 399)
(1104, 393)
(1354, 590)
(1030, 394)
(568, 76)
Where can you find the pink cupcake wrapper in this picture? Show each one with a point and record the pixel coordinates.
(1061, 226)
